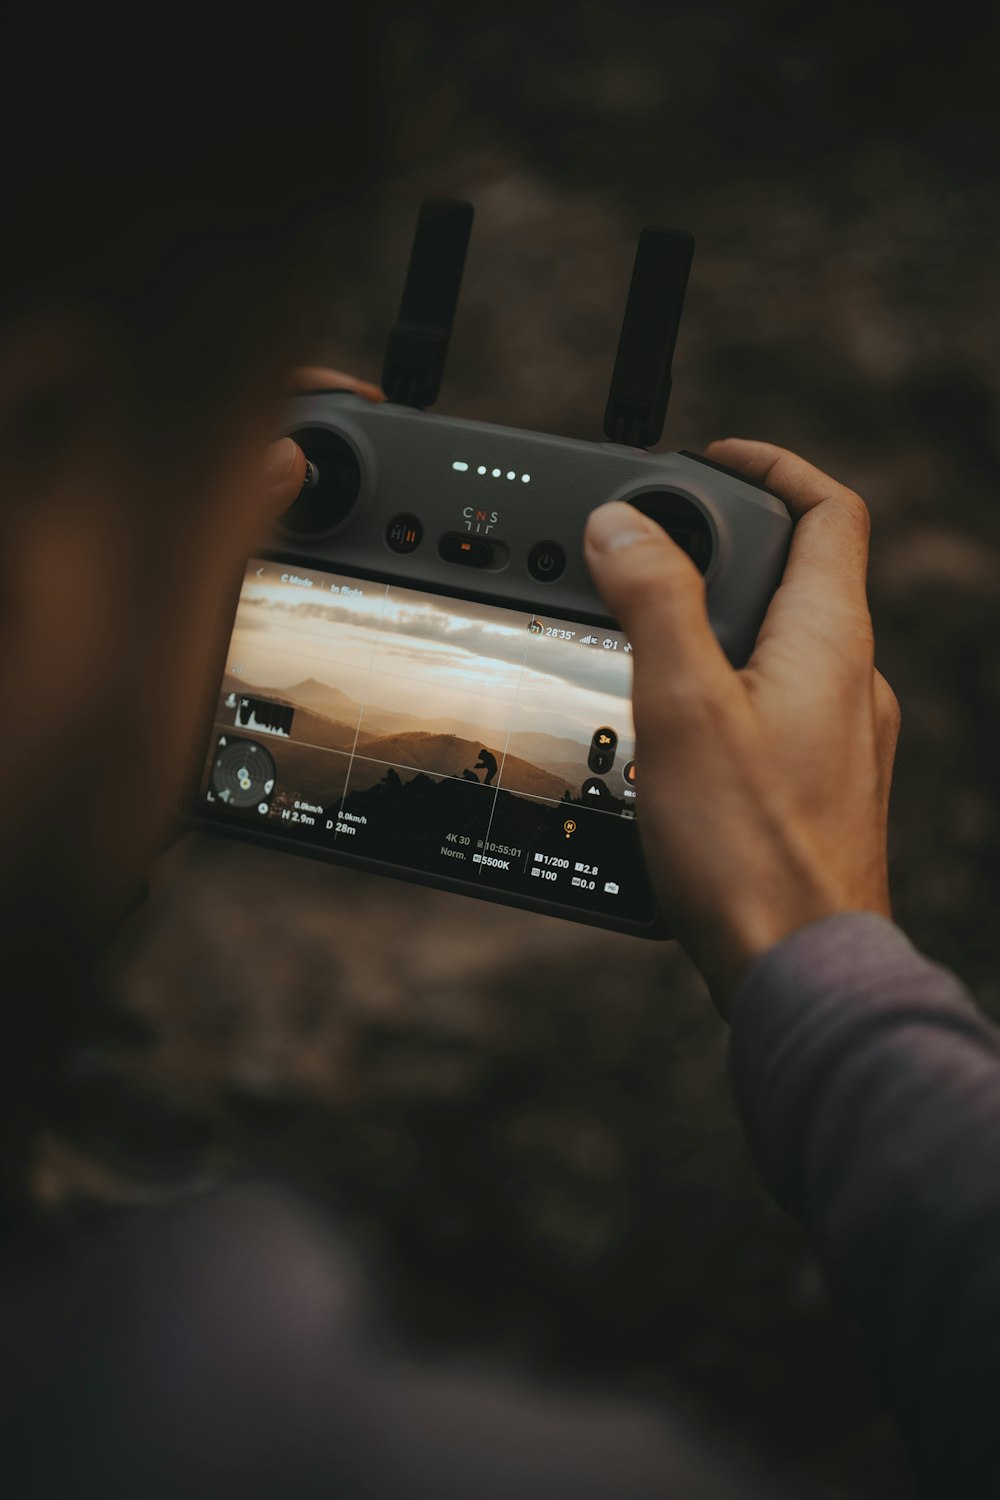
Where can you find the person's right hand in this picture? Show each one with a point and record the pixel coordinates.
(763, 793)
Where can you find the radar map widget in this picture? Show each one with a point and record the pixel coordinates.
(242, 773)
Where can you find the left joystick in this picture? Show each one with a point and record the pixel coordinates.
(331, 486)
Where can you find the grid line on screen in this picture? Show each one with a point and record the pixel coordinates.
(503, 760)
(364, 703)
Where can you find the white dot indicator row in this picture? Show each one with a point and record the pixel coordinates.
(461, 466)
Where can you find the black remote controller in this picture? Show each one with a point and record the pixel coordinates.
(421, 679)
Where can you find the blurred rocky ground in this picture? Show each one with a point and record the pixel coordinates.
(524, 1122)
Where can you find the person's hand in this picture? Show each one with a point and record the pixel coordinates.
(763, 793)
(285, 463)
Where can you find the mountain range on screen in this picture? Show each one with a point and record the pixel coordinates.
(534, 763)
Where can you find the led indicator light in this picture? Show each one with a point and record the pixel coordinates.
(462, 468)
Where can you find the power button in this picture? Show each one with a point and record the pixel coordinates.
(546, 561)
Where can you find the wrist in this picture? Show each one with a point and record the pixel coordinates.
(734, 946)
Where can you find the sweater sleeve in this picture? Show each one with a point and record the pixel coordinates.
(869, 1086)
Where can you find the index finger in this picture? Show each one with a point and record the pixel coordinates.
(307, 379)
(828, 558)
(795, 481)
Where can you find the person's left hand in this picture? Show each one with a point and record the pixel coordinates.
(285, 464)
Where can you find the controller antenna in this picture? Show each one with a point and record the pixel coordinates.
(640, 385)
(418, 345)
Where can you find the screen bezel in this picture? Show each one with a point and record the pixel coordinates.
(193, 818)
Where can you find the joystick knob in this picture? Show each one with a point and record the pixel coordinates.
(683, 521)
(331, 487)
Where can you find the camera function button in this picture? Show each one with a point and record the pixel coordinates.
(404, 533)
(596, 791)
(546, 561)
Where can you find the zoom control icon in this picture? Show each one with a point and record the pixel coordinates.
(602, 751)
(242, 774)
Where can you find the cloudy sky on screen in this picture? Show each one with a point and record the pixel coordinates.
(285, 633)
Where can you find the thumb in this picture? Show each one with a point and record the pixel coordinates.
(285, 473)
(657, 594)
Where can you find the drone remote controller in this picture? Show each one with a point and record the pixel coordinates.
(421, 678)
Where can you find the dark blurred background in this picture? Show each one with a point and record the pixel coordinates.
(524, 1123)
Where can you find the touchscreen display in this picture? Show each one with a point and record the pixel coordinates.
(431, 734)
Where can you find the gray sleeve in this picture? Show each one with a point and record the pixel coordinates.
(869, 1086)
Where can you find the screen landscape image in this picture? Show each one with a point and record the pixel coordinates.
(386, 677)
(432, 734)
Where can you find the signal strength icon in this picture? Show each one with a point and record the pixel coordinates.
(588, 640)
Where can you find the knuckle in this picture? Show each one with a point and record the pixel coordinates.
(887, 706)
(856, 511)
(781, 467)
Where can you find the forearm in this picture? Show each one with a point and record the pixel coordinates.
(870, 1089)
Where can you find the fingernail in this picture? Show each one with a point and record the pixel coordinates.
(617, 525)
(280, 457)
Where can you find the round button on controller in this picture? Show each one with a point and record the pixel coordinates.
(546, 561)
(404, 533)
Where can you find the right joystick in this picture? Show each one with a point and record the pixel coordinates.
(683, 521)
